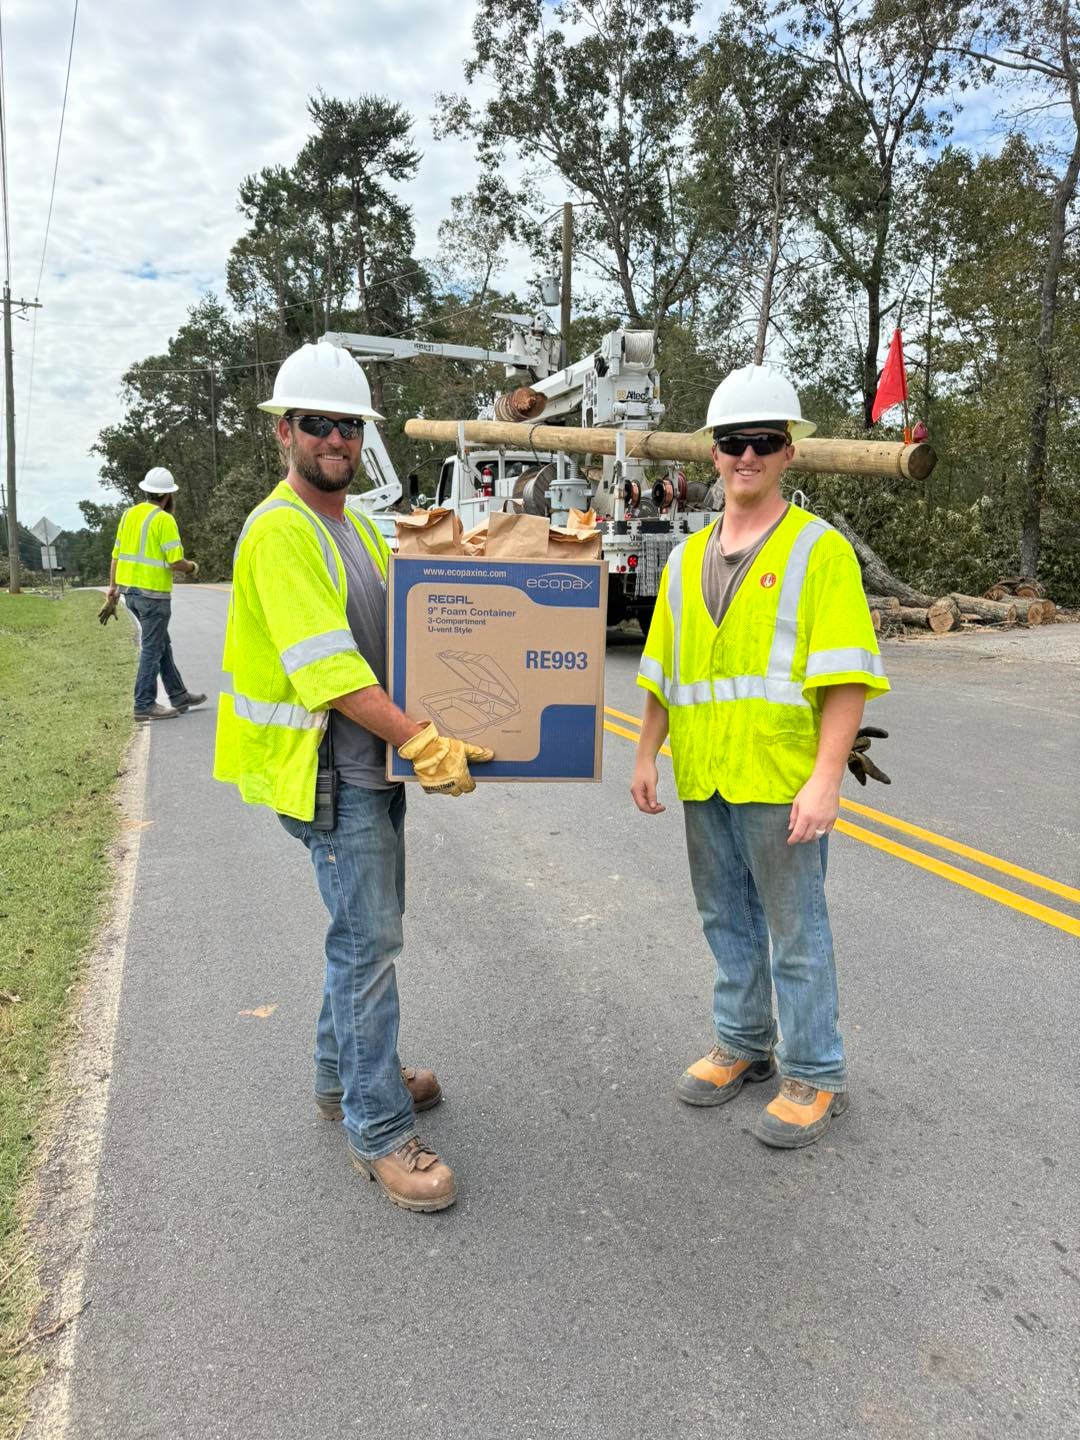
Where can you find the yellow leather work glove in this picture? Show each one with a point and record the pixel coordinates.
(108, 610)
(441, 763)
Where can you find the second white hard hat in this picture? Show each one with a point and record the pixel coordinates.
(754, 395)
(159, 481)
(321, 377)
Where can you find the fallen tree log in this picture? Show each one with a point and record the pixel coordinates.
(987, 610)
(1035, 611)
(888, 603)
(1015, 585)
(943, 615)
(878, 579)
(913, 615)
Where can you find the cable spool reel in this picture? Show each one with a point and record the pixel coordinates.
(670, 492)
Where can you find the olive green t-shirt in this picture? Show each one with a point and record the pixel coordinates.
(721, 575)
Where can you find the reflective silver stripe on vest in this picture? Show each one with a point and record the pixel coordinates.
(318, 647)
(271, 712)
(674, 592)
(650, 669)
(170, 545)
(840, 662)
(323, 539)
(776, 686)
(782, 653)
(142, 558)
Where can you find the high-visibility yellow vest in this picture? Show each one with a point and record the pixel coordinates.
(288, 651)
(146, 543)
(744, 699)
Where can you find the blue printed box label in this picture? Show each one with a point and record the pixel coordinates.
(507, 654)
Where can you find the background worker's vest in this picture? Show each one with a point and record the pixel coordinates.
(744, 699)
(288, 652)
(147, 540)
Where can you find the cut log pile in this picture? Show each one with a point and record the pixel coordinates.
(895, 604)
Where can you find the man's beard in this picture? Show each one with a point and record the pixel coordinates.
(308, 469)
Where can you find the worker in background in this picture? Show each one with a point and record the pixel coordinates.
(146, 552)
(305, 715)
(758, 662)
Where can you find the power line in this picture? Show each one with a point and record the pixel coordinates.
(59, 138)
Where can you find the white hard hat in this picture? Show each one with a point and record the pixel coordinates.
(755, 395)
(159, 481)
(321, 377)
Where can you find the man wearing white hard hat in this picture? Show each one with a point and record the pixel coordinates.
(303, 727)
(758, 663)
(146, 552)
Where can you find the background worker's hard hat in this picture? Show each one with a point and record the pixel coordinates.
(756, 394)
(321, 377)
(159, 481)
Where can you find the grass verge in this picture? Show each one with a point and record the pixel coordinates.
(65, 724)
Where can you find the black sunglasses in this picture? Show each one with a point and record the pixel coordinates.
(321, 427)
(760, 444)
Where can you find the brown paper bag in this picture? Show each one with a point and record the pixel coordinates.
(474, 540)
(581, 520)
(517, 537)
(565, 546)
(429, 532)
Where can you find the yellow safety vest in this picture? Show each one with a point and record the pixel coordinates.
(147, 541)
(288, 651)
(744, 699)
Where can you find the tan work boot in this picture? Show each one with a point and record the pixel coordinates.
(719, 1076)
(422, 1085)
(413, 1177)
(157, 712)
(798, 1115)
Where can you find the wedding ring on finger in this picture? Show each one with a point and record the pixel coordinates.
(819, 832)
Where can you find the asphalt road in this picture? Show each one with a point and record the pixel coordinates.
(617, 1266)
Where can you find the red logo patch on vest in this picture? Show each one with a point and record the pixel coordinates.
(768, 580)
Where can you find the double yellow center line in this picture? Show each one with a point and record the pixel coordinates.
(1049, 916)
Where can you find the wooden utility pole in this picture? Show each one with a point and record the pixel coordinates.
(9, 411)
(567, 266)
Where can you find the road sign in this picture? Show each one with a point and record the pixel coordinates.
(45, 531)
(48, 557)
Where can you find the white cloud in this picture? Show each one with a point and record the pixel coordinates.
(170, 106)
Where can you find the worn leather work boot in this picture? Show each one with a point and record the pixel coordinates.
(188, 702)
(798, 1115)
(157, 712)
(412, 1176)
(422, 1085)
(719, 1076)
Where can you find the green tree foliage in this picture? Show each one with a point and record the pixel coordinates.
(781, 187)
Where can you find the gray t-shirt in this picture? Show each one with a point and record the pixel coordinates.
(721, 575)
(360, 756)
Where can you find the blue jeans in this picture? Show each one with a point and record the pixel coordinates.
(155, 650)
(360, 867)
(751, 888)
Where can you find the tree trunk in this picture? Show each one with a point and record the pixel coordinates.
(989, 610)
(1035, 469)
(779, 172)
(943, 615)
(877, 578)
(888, 603)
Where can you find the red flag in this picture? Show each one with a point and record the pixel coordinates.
(892, 387)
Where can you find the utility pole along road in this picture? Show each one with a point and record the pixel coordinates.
(617, 1265)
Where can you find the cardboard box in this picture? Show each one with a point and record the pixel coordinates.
(508, 654)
